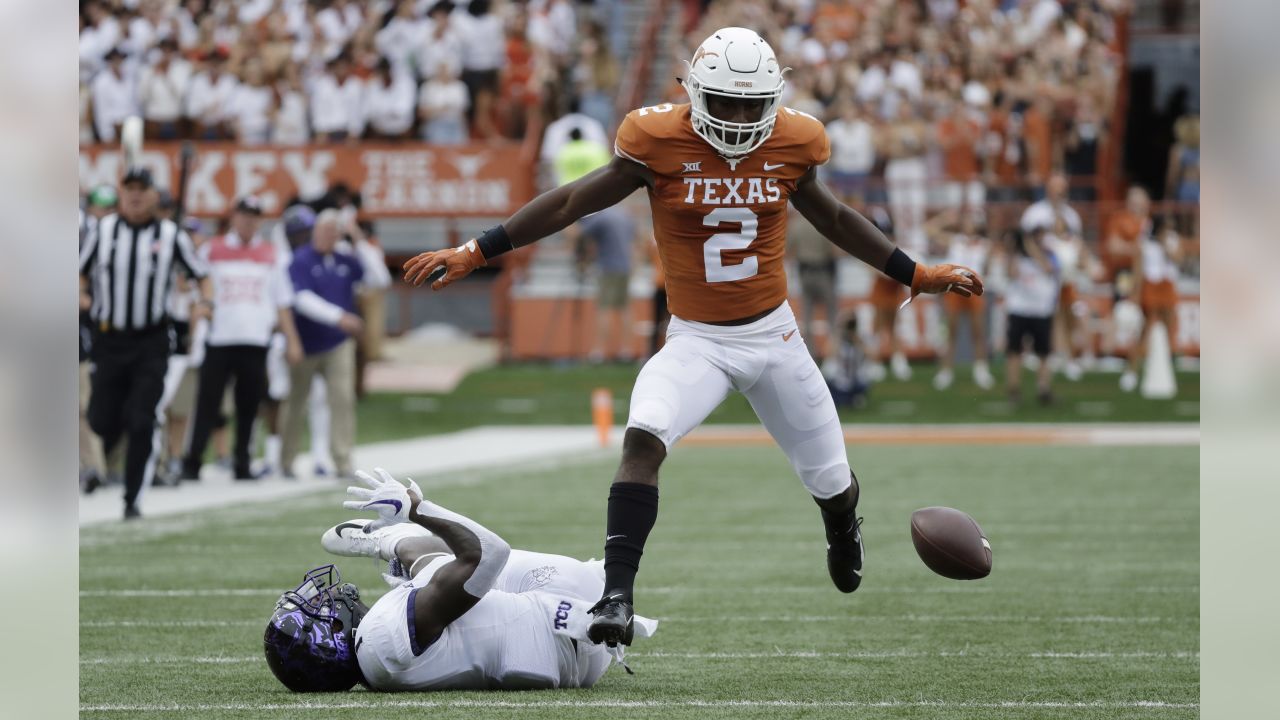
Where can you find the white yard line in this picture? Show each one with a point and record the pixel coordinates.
(851, 618)
(186, 593)
(783, 589)
(792, 654)
(169, 623)
(326, 705)
(923, 618)
(880, 655)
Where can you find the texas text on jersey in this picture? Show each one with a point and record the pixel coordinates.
(721, 223)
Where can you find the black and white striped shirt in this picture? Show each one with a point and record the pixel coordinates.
(130, 269)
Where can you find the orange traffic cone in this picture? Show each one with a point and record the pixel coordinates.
(602, 413)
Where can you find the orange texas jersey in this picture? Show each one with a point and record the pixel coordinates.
(721, 225)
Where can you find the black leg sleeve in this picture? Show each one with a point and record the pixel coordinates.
(633, 509)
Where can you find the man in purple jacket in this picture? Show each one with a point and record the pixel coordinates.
(325, 282)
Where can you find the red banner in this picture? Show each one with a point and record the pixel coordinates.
(401, 180)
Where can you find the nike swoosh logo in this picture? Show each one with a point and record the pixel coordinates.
(769, 167)
(787, 336)
(610, 537)
(338, 530)
(394, 503)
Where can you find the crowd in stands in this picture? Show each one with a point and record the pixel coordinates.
(298, 71)
(993, 95)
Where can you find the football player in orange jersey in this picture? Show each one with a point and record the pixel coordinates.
(719, 172)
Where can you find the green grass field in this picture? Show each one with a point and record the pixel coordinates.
(1092, 610)
(539, 394)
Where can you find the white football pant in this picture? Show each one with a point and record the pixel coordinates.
(768, 362)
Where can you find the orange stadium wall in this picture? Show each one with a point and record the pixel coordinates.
(402, 180)
(562, 328)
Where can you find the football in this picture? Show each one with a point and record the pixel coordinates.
(950, 543)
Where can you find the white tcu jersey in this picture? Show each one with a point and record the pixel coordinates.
(521, 635)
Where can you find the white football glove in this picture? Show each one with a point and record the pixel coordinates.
(384, 495)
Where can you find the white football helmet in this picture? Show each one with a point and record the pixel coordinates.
(734, 62)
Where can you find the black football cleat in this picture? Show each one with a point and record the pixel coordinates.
(844, 546)
(613, 621)
(844, 558)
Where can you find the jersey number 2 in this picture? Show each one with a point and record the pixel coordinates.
(717, 271)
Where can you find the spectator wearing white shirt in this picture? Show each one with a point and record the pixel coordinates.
(853, 153)
(402, 36)
(337, 22)
(154, 22)
(1030, 299)
(253, 105)
(442, 107)
(186, 17)
(251, 11)
(253, 298)
(483, 55)
(336, 96)
(442, 46)
(904, 74)
(292, 126)
(1045, 214)
(389, 99)
(209, 98)
(874, 79)
(1061, 226)
(113, 97)
(552, 27)
(162, 89)
(98, 36)
(1031, 19)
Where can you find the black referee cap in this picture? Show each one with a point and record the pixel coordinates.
(138, 174)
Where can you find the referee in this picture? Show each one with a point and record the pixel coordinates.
(127, 265)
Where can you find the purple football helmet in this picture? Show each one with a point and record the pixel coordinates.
(310, 639)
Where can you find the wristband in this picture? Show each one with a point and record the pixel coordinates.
(900, 267)
(494, 242)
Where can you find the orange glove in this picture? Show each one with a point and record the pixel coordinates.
(935, 279)
(457, 263)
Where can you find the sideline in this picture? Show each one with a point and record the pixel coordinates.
(499, 446)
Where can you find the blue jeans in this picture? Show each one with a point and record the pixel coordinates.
(445, 131)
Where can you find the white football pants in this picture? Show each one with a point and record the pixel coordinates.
(768, 362)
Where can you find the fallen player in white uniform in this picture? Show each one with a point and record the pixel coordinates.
(467, 612)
